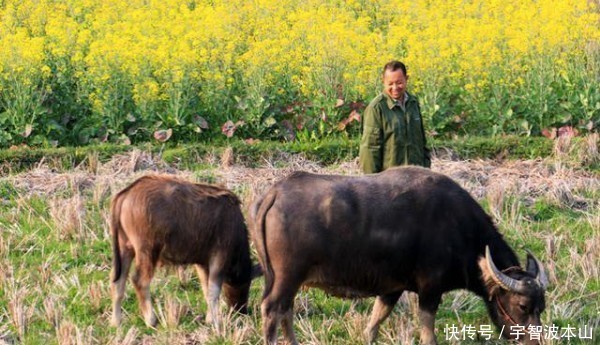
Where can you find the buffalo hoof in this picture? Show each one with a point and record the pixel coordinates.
(429, 342)
(370, 335)
(151, 321)
(115, 321)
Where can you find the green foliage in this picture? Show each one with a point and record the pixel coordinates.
(498, 146)
(62, 158)
(326, 151)
(21, 110)
(7, 191)
(545, 91)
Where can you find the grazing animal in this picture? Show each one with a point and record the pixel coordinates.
(164, 220)
(405, 229)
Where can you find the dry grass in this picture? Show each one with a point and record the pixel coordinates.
(71, 196)
(130, 337)
(68, 333)
(355, 325)
(69, 217)
(6, 337)
(19, 311)
(227, 158)
(592, 154)
(170, 312)
(96, 293)
(402, 329)
(52, 309)
(529, 178)
(238, 329)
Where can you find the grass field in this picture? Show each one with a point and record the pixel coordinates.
(55, 253)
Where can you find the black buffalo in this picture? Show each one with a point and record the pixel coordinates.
(405, 229)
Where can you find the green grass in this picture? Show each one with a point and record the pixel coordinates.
(326, 151)
(54, 275)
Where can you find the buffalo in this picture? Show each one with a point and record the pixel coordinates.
(404, 229)
(164, 220)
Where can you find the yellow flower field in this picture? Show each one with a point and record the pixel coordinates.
(114, 70)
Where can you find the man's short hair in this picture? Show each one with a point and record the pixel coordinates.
(393, 66)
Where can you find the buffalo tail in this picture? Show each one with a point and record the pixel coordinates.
(259, 214)
(115, 227)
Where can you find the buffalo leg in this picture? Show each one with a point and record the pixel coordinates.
(203, 275)
(270, 320)
(141, 281)
(118, 285)
(381, 310)
(215, 282)
(213, 291)
(287, 326)
(278, 306)
(428, 305)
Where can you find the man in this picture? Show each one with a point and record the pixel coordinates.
(393, 127)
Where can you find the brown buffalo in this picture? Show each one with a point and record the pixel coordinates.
(163, 220)
(405, 229)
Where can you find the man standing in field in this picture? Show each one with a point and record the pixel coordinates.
(393, 131)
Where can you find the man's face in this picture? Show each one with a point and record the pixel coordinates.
(394, 83)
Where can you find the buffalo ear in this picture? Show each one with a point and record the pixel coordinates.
(534, 266)
(256, 271)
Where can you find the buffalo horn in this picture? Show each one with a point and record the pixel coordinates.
(534, 266)
(506, 282)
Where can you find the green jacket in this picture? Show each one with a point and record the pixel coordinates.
(392, 136)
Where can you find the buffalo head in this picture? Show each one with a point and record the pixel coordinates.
(516, 298)
(236, 292)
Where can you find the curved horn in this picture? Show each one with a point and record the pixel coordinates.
(535, 267)
(506, 282)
